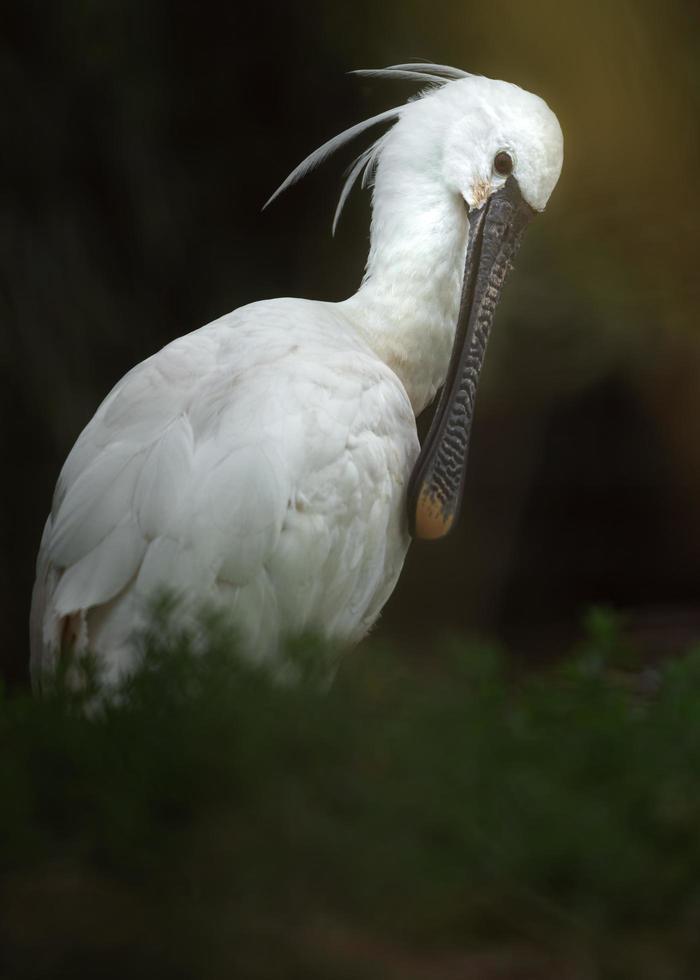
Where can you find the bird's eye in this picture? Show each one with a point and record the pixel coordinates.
(503, 163)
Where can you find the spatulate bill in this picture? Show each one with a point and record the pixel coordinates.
(436, 486)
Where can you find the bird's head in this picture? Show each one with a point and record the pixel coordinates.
(497, 152)
(494, 131)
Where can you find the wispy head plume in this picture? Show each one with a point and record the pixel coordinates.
(366, 162)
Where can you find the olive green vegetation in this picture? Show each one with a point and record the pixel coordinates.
(211, 820)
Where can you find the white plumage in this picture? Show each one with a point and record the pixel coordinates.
(261, 462)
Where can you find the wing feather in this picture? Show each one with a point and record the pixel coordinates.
(162, 485)
(103, 572)
(96, 504)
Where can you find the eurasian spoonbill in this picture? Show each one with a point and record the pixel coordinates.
(268, 462)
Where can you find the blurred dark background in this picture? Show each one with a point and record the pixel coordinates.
(139, 143)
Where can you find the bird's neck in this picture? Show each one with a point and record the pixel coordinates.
(407, 305)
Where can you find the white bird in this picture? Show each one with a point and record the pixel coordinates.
(262, 463)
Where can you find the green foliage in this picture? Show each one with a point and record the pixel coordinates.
(215, 818)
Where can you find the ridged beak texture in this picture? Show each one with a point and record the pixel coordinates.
(436, 486)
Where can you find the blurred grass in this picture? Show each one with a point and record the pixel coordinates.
(429, 817)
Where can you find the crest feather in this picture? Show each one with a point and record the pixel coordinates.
(366, 162)
(330, 146)
(422, 71)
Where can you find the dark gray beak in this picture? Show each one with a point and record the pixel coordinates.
(437, 483)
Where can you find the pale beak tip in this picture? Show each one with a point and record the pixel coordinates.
(431, 521)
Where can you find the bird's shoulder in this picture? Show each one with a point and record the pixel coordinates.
(211, 437)
(263, 367)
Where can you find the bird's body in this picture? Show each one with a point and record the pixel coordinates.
(258, 463)
(261, 463)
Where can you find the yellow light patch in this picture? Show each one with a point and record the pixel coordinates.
(481, 191)
(431, 521)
